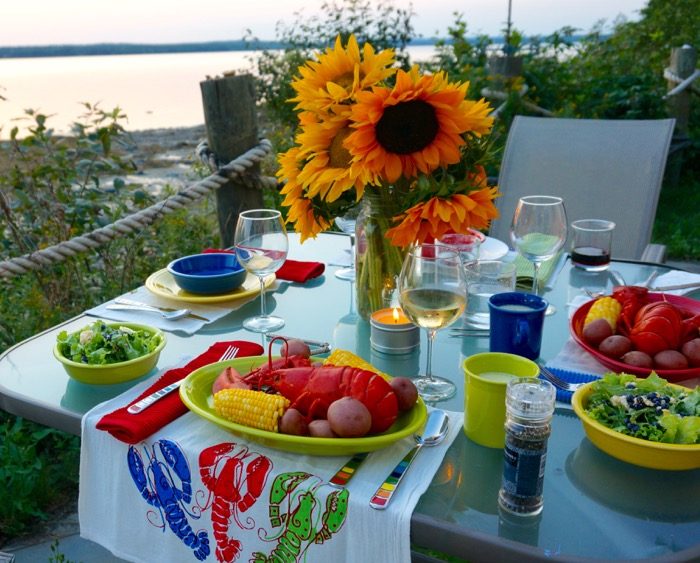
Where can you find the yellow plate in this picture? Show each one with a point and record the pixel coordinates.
(195, 392)
(655, 455)
(163, 284)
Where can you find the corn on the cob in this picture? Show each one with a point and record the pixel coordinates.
(347, 358)
(251, 408)
(607, 308)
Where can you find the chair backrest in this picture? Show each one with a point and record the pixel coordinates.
(604, 169)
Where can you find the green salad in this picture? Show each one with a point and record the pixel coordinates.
(648, 408)
(101, 344)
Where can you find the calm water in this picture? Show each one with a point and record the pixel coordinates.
(153, 90)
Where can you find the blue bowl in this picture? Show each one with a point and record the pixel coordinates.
(206, 274)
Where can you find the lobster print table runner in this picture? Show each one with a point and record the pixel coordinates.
(195, 492)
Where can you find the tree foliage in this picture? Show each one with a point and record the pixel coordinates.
(378, 22)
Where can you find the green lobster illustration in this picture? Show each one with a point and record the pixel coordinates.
(300, 517)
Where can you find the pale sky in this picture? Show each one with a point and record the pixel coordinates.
(42, 22)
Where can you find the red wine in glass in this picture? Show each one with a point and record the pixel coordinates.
(590, 257)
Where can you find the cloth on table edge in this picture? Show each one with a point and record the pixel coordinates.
(292, 270)
(132, 428)
(135, 533)
(187, 325)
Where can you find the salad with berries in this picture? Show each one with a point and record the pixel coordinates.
(648, 408)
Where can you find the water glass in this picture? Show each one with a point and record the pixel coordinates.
(592, 244)
(484, 279)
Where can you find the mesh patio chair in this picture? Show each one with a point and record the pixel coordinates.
(604, 169)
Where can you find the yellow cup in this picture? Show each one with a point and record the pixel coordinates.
(486, 376)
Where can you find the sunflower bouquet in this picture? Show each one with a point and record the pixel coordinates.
(409, 145)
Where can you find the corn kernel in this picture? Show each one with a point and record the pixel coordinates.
(251, 408)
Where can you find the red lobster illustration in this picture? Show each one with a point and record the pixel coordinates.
(225, 470)
(311, 389)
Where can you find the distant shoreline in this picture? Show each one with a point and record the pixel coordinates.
(101, 49)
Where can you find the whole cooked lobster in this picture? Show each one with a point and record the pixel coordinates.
(312, 388)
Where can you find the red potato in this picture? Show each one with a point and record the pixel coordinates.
(406, 392)
(293, 422)
(596, 331)
(638, 359)
(229, 378)
(297, 348)
(349, 418)
(670, 359)
(321, 429)
(615, 346)
(691, 350)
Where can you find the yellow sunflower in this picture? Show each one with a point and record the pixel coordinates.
(339, 74)
(416, 126)
(300, 208)
(437, 216)
(329, 171)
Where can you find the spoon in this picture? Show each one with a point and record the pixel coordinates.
(434, 433)
(165, 312)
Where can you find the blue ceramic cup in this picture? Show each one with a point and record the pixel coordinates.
(516, 323)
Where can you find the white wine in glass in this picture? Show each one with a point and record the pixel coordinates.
(538, 231)
(433, 294)
(261, 247)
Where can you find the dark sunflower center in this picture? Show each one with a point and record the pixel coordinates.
(338, 155)
(407, 127)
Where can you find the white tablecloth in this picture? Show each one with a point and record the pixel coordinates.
(194, 491)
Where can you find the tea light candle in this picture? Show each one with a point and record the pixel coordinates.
(392, 333)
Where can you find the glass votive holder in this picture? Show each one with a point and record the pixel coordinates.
(392, 333)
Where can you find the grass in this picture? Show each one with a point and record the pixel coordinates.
(677, 222)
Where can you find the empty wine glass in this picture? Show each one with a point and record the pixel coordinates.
(538, 231)
(261, 247)
(346, 223)
(433, 294)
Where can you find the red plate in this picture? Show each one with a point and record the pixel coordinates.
(689, 305)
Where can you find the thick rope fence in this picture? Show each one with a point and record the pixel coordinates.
(238, 169)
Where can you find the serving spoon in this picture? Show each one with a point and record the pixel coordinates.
(434, 433)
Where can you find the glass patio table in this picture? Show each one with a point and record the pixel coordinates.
(595, 507)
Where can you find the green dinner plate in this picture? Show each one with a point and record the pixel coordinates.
(195, 392)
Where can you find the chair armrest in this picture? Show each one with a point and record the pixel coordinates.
(654, 253)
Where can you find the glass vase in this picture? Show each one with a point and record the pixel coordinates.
(377, 261)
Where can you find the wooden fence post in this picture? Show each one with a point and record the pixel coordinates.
(232, 128)
(683, 61)
(682, 65)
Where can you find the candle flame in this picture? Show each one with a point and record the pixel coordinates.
(396, 315)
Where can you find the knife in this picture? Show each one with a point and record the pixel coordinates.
(688, 285)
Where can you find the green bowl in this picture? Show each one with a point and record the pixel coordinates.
(109, 374)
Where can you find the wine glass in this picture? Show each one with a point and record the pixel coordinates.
(346, 223)
(538, 231)
(261, 247)
(433, 294)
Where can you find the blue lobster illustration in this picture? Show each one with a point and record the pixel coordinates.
(158, 485)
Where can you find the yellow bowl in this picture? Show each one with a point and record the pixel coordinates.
(109, 374)
(655, 455)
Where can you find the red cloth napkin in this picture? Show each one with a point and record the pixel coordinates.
(292, 270)
(132, 428)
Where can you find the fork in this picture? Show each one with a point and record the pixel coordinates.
(229, 354)
(557, 381)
